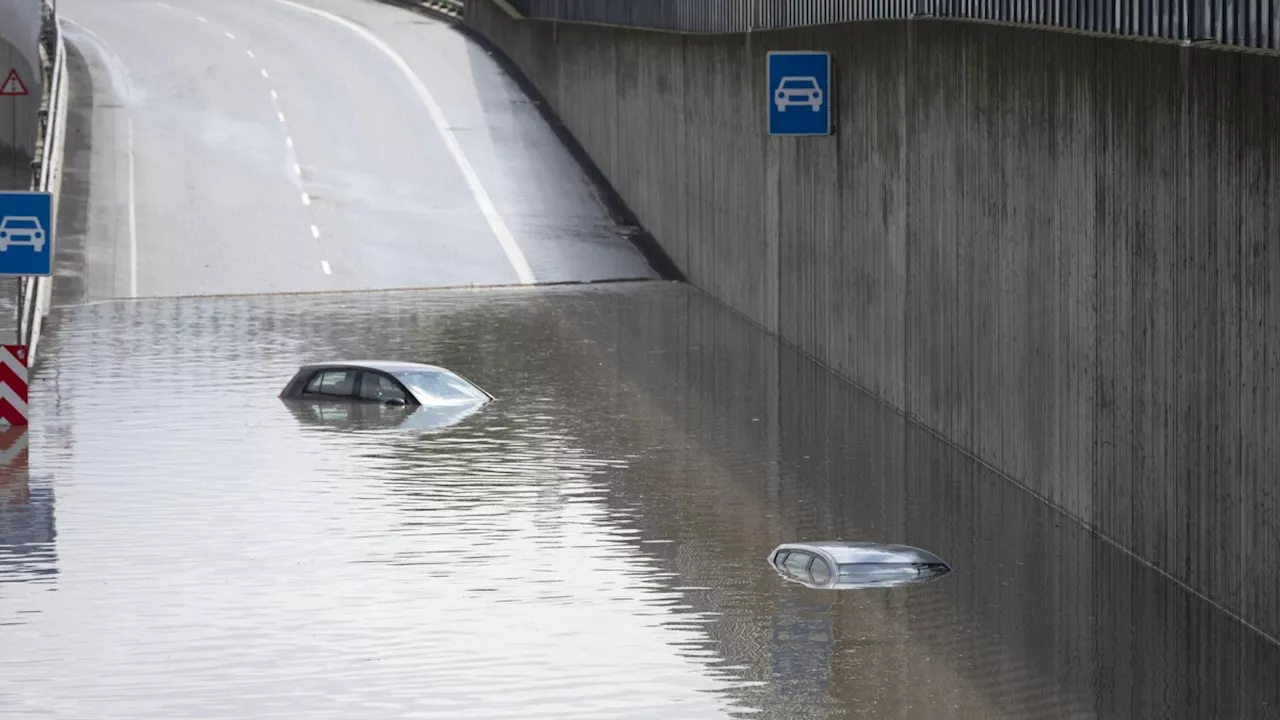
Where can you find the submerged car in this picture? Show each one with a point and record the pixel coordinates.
(838, 565)
(385, 382)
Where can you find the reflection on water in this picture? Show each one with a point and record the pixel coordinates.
(589, 546)
(378, 416)
(27, 529)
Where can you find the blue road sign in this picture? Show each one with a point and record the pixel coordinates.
(799, 93)
(26, 233)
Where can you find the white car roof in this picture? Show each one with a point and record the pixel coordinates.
(859, 553)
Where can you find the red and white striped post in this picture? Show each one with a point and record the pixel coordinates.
(13, 385)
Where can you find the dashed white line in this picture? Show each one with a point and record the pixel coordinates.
(233, 37)
(497, 225)
(306, 199)
(275, 95)
(324, 265)
(288, 141)
(166, 6)
(281, 116)
(201, 19)
(315, 231)
(250, 53)
(264, 73)
(297, 169)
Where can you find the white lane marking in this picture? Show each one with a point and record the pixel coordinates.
(201, 19)
(297, 169)
(288, 141)
(324, 265)
(264, 73)
(315, 231)
(496, 224)
(274, 96)
(133, 219)
(233, 37)
(166, 6)
(281, 116)
(306, 199)
(250, 53)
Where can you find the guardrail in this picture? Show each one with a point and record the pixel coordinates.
(35, 293)
(1244, 23)
(450, 8)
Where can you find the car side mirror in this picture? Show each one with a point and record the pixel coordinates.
(395, 402)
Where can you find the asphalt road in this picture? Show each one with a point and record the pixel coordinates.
(252, 146)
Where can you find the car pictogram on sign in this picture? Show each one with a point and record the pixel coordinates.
(798, 91)
(21, 230)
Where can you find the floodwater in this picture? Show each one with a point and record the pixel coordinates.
(176, 543)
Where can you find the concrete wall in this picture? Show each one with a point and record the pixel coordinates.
(1060, 252)
(19, 124)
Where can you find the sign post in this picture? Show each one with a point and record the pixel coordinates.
(799, 93)
(26, 234)
(26, 239)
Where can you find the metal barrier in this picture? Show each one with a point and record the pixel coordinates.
(34, 293)
(1243, 23)
(449, 8)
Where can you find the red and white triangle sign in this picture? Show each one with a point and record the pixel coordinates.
(13, 84)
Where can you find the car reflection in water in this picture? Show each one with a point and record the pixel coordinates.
(838, 565)
(378, 394)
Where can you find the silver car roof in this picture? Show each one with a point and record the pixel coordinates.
(383, 365)
(857, 553)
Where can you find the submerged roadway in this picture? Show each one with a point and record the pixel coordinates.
(266, 146)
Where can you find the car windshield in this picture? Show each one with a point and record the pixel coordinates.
(21, 224)
(797, 84)
(872, 572)
(438, 386)
(874, 569)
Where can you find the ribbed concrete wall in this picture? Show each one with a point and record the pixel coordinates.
(1060, 252)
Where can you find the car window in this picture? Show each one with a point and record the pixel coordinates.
(780, 557)
(820, 570)
(435, 386)
(376, 386)
(334, 383)
(796, 563)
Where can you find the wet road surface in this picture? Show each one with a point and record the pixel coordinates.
(590, 545)
(249, 146)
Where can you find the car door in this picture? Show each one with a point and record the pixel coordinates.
(332, 385)
(381, 388)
